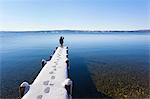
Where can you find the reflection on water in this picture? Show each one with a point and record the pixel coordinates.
(110, 64)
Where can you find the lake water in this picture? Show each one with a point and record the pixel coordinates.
(99, 62)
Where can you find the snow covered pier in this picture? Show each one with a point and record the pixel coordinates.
(52, 82)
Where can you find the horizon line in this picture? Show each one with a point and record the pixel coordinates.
(45, 30)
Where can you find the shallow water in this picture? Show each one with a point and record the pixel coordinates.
(21, 55)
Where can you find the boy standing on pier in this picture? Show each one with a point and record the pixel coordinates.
(61, 41)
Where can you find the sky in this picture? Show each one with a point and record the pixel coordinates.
(24, 15)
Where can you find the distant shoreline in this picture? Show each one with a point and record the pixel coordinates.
(57, 31)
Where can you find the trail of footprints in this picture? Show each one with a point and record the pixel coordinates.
(52, 74)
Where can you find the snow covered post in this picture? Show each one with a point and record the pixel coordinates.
(53, 51)
(56, 48)
(23, 89)
(67, 84)
(67, 62)
(67, 55)
(67, 51)
(43, 62)
(50, 57)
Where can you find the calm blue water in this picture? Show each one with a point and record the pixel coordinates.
(21, 54)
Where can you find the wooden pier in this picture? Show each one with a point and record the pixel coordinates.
(53, 80)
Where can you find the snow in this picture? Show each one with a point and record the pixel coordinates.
(24, 84)
(49, 82)
(67, 82)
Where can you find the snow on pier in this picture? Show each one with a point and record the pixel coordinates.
(52, 82)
